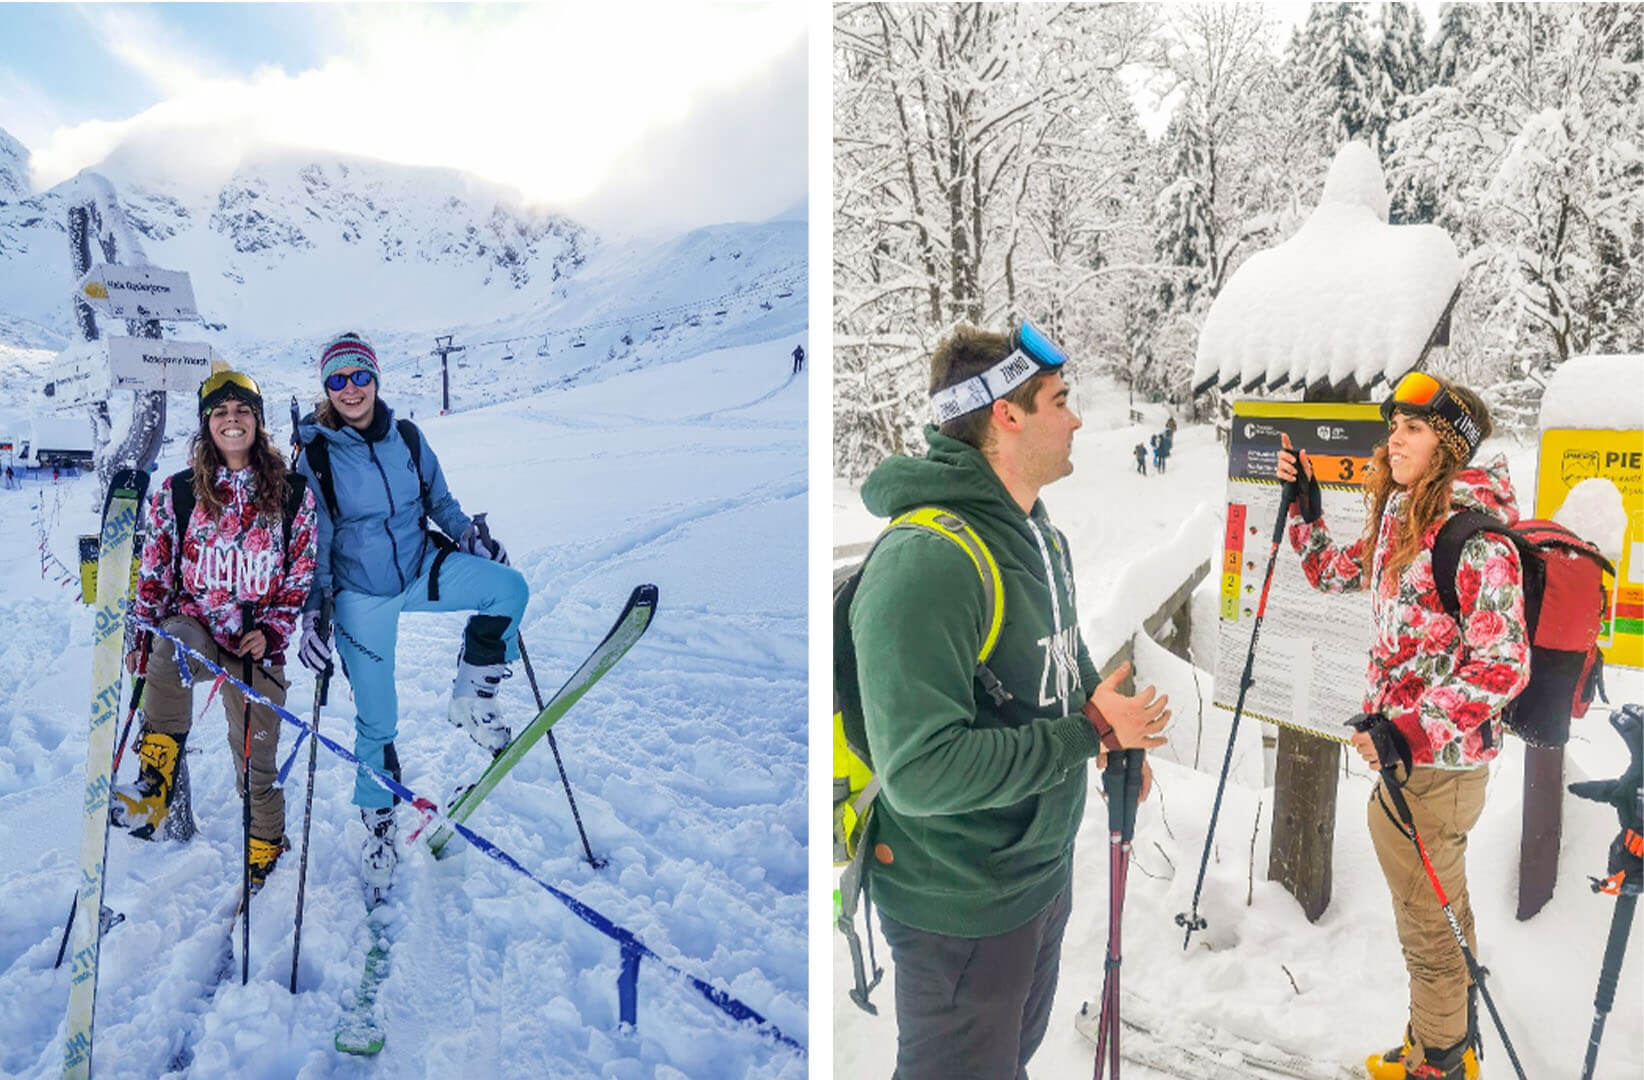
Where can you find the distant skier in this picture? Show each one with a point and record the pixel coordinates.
(11, 477)
(378, 492)
(1158, 454)
(56, 474)
(1141, 459)
(1161, 453)
(234, 547)
(798, 359)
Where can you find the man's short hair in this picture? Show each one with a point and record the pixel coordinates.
(967, 352)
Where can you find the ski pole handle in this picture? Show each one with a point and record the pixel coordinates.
(1287, 495)
(1133, 791)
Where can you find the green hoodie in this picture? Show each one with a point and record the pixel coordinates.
(980, 803)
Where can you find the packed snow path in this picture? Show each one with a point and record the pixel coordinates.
(688, 763)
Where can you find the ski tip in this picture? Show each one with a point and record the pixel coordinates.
(643, 596)
(359, 1047)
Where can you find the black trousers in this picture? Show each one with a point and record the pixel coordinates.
(974, 1007)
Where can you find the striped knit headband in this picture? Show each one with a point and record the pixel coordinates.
(349, 350)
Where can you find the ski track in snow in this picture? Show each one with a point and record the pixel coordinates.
(687, 762)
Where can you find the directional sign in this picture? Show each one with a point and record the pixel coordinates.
(76, 377)
(153, 364)
(138, 292)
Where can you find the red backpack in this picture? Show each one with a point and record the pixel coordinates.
(1564, 603)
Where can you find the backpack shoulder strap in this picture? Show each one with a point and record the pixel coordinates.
(318, 454)
(182, 508)
(413, 443)
(952, 527)
(1452, 537)
(296, 483)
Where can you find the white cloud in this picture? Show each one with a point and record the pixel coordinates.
(560, 101)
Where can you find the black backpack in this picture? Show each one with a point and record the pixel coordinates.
(182, 508)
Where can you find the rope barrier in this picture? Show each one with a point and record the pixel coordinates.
(633, 949)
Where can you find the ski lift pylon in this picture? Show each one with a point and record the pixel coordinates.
(542, 350)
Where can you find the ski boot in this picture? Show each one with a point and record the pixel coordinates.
(379, 856)
(474, 704)
(264, 854)
(142, 807)
(1456, 1063)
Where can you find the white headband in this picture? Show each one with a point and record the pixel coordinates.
(980, 391)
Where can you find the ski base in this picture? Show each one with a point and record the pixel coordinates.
(361, 1031)
(630, 624)
(1200, 1052)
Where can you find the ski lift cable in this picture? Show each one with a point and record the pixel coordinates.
(691, 306)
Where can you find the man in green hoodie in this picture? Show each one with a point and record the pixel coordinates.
(973, 843)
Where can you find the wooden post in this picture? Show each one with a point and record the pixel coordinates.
(1305, 776)
(1542, 828)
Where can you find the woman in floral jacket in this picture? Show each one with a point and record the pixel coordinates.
(1436, 687)
(234, 551)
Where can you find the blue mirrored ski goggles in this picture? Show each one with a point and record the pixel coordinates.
(337, 379)
(1031, 352)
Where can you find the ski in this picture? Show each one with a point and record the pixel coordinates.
(361, 1031)
(629, 625)
(1195, 1051)
(122, 509)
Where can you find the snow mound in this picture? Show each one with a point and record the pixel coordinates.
(1347, 296)
(1593, 511)
(1579, 393)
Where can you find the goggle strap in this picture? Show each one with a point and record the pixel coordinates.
(980, 391)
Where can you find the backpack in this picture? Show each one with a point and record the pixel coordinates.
(855, 787)
(182, 508)
(318, 453)
(1564, 604)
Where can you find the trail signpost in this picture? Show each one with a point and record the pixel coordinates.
(138, 292)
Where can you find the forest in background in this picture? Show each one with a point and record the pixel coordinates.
(991, 162)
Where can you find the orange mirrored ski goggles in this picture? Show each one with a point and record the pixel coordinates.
(1420, 393)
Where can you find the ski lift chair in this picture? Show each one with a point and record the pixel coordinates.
(578, 342)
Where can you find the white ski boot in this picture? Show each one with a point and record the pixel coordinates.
(380, 855)
(474, 705)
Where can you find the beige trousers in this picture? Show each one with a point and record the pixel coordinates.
(1445, 804)
(168, 708)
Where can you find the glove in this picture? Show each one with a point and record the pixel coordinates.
(1308, 502)
(477, 540)
(1388, 740)
(315, 651)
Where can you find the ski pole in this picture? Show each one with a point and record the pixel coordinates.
(247, 611)
(119, 751)
(588, 852)
(321, 685)
(483, 530)
(1407, 825)
(1615, 950)
(1195, 921)
(1122, 780)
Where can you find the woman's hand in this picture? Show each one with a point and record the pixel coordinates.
(1288, 455)
(1367, 749)
(133, 658)
(253, 645)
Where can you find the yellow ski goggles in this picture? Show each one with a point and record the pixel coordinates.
(223, 385)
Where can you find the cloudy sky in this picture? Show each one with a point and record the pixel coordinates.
(630, 116)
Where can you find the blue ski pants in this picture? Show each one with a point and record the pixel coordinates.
(367, 629)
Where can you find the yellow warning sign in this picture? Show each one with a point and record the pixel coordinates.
(1569, 456)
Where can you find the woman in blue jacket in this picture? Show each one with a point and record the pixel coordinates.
(380, 484)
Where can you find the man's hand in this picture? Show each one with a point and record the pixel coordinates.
(1136, 722)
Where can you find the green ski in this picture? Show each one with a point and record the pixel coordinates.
(361, 1029)
(635, 617)
(122, 508)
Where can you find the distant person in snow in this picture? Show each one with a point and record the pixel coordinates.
(1158, 454)
(1161, 453)
(230, 530)
(798, 359)
(974, 900)
(1436, 688)
(380, 486)
(1141, 458)
(11, 477)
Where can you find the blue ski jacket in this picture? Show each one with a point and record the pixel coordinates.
(376, 544)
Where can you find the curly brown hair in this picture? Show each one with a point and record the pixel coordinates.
(268, 471)
(1429, 500)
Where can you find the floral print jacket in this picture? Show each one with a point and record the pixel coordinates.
(1442, 683)
(228, 559)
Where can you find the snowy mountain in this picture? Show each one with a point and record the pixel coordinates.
(289, 251)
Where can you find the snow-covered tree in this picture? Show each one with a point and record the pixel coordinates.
(1535, 154)
(1335, 74)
